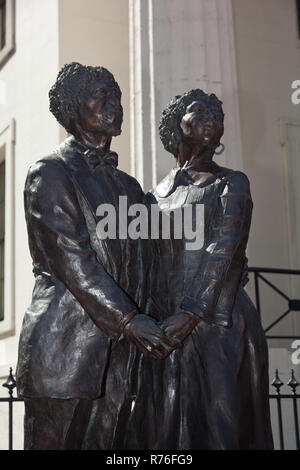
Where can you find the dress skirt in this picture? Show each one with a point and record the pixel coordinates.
(212, 393)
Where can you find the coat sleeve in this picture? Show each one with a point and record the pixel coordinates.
(57, 229)
(212, 292)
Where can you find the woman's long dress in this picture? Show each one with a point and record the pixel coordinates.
(212, 393)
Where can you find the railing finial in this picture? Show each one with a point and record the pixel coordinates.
(10, 383)
(277, 382)
(293, 383)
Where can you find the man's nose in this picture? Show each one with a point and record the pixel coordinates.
(207, 114)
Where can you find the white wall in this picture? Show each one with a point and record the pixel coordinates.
(95, 32)
(50, 33)
(268, 61)
(27, 75)
(176, 46)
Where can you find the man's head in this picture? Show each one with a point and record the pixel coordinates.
(191, 116)
(88, 97)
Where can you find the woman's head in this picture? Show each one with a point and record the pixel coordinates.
(195, 118)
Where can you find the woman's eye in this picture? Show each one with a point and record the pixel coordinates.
(99, 92)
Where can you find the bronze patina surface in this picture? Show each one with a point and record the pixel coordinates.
(139, 343)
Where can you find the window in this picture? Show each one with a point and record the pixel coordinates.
(7, 295)
(7, 29)
(2, 231)
(298, 17)
(290, 144)
(2, 23)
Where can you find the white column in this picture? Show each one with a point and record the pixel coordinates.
(140, 91)
(176, 46)
(229, 86)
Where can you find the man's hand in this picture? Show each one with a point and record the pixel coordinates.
(149, 338)
(180, 325)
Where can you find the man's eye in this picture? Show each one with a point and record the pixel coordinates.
(196, 107)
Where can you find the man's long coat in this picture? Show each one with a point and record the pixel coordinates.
(86, 289)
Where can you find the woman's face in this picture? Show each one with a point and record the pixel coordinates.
(201, 125)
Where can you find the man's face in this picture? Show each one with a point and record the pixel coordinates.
(201, 125)
(100, 110)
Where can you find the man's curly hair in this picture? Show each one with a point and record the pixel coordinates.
(72, 83)
(169, 125)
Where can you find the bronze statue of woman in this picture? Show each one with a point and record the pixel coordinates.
(212, 393)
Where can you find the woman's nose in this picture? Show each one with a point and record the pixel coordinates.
(208, 117)
(114, 101)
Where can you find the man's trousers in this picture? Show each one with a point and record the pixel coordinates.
(53, 424)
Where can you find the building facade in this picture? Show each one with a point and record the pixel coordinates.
(248, 53)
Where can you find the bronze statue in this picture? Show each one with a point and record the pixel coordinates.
(138, 343)
(89, 304)
(213, 392)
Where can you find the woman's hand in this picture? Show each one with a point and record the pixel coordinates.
(149, 337)
(180, 325)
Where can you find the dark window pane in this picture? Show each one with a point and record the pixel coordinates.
(2, 282)
(2, 233)
(2, 23)
(298, 16)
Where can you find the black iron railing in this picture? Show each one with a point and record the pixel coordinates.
(10, 384)
(293, 305)
(293, 397)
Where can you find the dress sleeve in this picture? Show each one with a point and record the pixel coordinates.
(57, 229)
(212, 292)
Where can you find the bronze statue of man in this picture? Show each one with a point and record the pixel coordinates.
(87, 316)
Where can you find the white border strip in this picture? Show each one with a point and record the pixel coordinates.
(7, 138)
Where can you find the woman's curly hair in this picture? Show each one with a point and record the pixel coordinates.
(71, 84)
(169, 125)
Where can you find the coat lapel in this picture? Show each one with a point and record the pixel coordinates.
(88, 186)
(84, 179)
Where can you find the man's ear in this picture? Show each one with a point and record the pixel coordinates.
(74, 125)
